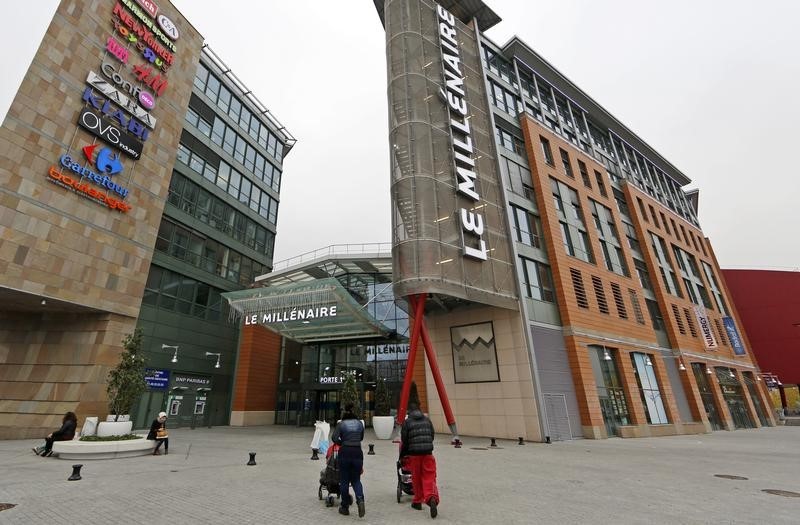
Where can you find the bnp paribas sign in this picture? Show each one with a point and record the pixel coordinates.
(450, 231)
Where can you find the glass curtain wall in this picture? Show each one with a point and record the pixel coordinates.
(703, 379)
(610, 392)
(733, 394)
(648, 388)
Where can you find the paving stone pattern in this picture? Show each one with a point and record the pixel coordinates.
(205, 479)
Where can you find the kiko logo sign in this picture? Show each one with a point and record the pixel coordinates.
(101, 127)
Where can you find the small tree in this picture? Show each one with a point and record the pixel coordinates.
(126, 381)
(350, 394)
(383, 403)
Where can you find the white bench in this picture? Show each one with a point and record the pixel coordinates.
(77, 449)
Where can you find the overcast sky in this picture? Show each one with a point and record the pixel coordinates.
(713, 86)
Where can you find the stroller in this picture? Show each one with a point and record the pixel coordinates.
(403, 479)
(329, 476)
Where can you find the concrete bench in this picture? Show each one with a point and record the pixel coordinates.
(77, 449)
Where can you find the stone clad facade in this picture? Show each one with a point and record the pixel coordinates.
(73, 270)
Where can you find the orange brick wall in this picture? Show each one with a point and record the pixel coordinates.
(256, 382)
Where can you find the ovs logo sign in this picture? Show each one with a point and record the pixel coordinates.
(106, 161)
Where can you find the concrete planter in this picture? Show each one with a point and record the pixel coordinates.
(114, 428)
(383, 426)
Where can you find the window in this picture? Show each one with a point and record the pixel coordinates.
(601, 186)
(622, 204)
(566, 163)
(609, 238)
(644, 275)
(715, 290)
(548, 154)
(526, 227)
(667, 271)
(655, 314)
(644, 370)
(538, 282)
(584, 174)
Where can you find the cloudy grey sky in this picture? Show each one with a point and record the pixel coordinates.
(710, 85)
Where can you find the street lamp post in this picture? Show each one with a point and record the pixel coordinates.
(175, 355)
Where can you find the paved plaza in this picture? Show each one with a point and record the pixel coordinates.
(205, 479)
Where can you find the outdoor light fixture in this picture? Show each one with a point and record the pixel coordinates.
(606, 355)
(175, 355)
(758, 378)
(44, 302)
(731, 373)
(647, 361)
(681, 367)
(708, 370)
(216, 354)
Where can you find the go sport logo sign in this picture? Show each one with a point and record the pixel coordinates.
(107, 164)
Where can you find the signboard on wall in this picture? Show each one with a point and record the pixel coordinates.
(705, 328)
(156, 379)
(733, 336)
(448, 221)
(191, 381)
(474, 353)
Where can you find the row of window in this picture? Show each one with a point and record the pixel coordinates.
(237, 147)
(201, 204)
(234, 183)
(603, 305)
(207, 82)
(168, 290)
(555, 111)
(696, 241)
(207, 254)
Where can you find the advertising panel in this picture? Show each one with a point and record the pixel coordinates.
(474, 353)
(449, 227)
(705, 328)
(733, 336)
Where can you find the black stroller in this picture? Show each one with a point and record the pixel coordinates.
(403, 479)
(329, 476)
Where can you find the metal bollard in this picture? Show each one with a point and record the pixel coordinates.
(457, 443)
(315, 454)
(371, 450)
(76, 473)
(547, 439)
(252, 458)
(494, 444)
(521, 441)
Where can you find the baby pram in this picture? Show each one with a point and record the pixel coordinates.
(329, 476)
(403, 479)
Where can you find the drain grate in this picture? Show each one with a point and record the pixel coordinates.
(730, 476)
(6, 506)
(785, 493)
(478, 448)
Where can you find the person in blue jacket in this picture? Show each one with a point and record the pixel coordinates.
(349, 434)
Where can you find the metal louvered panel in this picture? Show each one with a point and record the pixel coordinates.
(555, 406)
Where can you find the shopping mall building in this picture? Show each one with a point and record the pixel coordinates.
(140, 181)
(548, 258)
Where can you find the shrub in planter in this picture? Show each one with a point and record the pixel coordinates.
(126, 381)
(126, 437)
(382, 422)
(350, 396)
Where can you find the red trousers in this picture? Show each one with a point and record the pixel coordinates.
(423, 478)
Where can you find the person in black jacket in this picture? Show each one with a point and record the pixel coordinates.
(67, 431)
(416, 437)
(158, 432)
(349, 434)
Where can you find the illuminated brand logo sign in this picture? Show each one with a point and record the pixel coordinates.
(97, 82)
(108, 131)
(149, 6)
(117, 49)
(106, 162)
(137, 33)
(295, 314)
(150, 78)
(129, 124)
(472, 226)
(146, 100)
(127, 86)
(87, 191)
(169, 28)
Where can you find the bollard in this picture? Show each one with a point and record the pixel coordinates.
(494, 444)
(76, 473)
(547, 439)
(315, 453)
(457, 443)
(521, 441)
(252, 458)
(371, 450)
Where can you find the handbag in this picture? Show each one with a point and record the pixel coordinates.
(161, 433)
